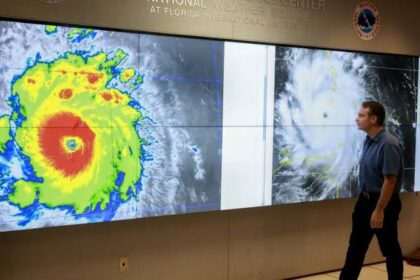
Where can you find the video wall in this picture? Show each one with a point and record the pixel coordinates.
(100, 125)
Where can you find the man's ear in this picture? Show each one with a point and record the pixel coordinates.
(373, 119)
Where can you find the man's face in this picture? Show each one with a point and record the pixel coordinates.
(364, 120)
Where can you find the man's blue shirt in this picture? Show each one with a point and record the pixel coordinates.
(382, 155)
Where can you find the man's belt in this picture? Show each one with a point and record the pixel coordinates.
(370, 195)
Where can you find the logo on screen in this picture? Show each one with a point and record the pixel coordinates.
(366, 20)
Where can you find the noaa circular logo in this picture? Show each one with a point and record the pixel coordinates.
(366, 20)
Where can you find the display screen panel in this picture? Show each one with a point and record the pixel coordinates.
(102, 125)
(317, 146)
(99, 125)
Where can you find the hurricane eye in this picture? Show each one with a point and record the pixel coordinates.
(71, 144)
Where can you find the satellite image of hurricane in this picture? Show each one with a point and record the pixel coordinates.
(102, 125)
(316, 145)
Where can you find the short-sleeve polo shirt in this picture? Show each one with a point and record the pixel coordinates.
(381, 155)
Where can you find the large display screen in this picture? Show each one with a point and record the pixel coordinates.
(316, 143)
(99, 125)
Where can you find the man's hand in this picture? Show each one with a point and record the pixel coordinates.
(377, 219)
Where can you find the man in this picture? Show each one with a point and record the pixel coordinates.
(378, 206)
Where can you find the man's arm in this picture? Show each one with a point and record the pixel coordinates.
(377, 219)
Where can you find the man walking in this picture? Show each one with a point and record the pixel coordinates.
(378, 206)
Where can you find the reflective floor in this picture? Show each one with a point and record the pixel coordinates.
(371, 272)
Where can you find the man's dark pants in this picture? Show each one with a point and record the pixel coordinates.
(362, 235)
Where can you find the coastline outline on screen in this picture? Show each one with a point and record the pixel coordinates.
(99, 125)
